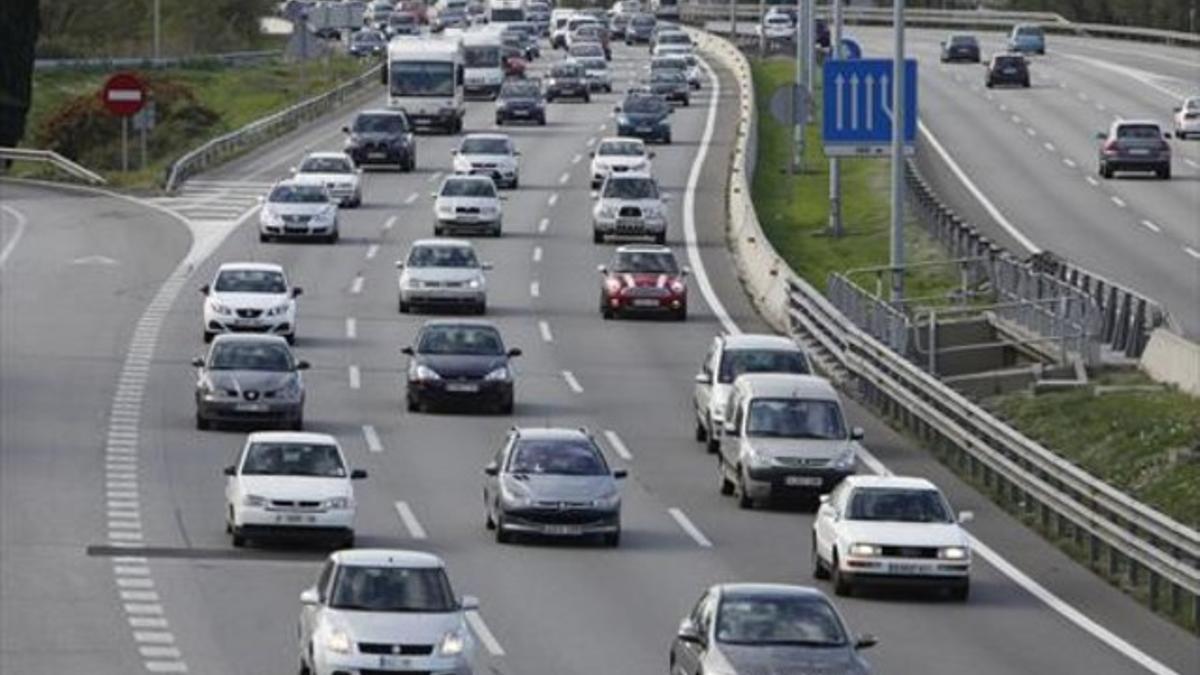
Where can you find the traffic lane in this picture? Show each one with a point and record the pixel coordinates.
(85, 268)
(1161, 60)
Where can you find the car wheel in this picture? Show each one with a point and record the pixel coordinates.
(404, 307)
(499, 121)
(597, 237)
(347, 541)
(237, 539)
(587, 98)
(1165, 172)
(502, 535)
(291, 338)
(438, 230)
(495, 232)
(612, 539)
(819, 571)
(1106, 172)
(667, 139)
(542, 121)
(712, 442)
(208, 337)
(961, 592)
(298, 423)
(411, 404)
(680, 314)
(701, 432)
(507, 407)
(841, 585)
(660, 238)
(1025, 84)
(686, 101)
(744, 499)
(203, 423)
(263, 238)
(481, 308)
(516, 182)
(988, 84)
(724, 485)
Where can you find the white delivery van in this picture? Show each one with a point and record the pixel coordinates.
(483, 69)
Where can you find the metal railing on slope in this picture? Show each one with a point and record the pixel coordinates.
(54, 159)
(227, 58)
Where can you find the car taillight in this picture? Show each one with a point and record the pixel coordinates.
(1111, 147)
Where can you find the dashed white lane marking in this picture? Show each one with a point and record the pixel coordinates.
(484, 634)
(1049, 146)
(572, 382)
(552, 199)
(1191, 163)
(618, 445)
(391, 221)
(1092, 181)
(602, 127)
(372, 438)
(535, 289)
(1101, 107)
(1016, 119)
(1031, 131)
(1150, 225)
(433, 177)
(543, 224)
(355, 377)
(689, 527)
(1192, 252)
(372, 251)
(544, 329)
(1003, 108)
(410, 521)
(562, 180)
(351, 327)
(1118, 201)
(537, 251)
(576, 159)
(411, 198)
(357, 286)
(1082, 96)
(591, 141)
(1069, 162)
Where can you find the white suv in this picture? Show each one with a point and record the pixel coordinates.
(890, 529)
(250, 297)
(619, 155)
(630, 205)
(290, 485)
(380, 610)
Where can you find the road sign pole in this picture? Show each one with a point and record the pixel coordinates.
(835, 167)
(125, 144)
(810, 50)
(898, 103)
(733, 36)
(762, 28)
(798, 83)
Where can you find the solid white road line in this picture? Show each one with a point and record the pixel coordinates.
(535, 289)
(552, 199)
(351, 327)
(410, 521)
(372, 438)
(690, 528)
(21, 222)
(355, 377)
(372, 250)
(618, 445)
(543, 224)
(1031, 131)
(484, 634)
(357, 286)
(572, 382)
(537, 253)
(1118, 201)
(1149, 225)
(544, 329)
(1016, 119)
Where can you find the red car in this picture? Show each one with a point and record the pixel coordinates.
(643, 279)
(514, 62)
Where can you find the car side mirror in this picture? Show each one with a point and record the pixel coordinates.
(965, 517)
(651, 155)
(358, 474)
(688, 632)
(730, 429)
(703, 378)
(685, 270)
(1166, 134)
(515, 351)
(487, 266)
(620, 474)
(345, 130)
(823, 499)
(408, 351)
(592, 154)
(204, 290)
(857, 434)
(516, 153)
(865, 641)
(1100, 135)
(230, 471)
(309, 596)
(260, 199)
(469, 603)
(198, 362)
(399, 264)
(454, 152)
(303, 365)
(492, 469)
(616, 108)
(433, 195)
(666, 198)
(297, 292)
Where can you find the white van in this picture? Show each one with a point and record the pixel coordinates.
(424, 79)
(784, 434)
(483, 69)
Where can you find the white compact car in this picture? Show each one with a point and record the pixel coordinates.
(629, 205)
(442, 273)
(1187, 118)
(384, 611)
(619, 155)
(890, 530)
(469, 203)
(250, 297)
(337, 171)
(300, 208)
(290, 485)
(777, 26)
(492, 155)
(595, 68)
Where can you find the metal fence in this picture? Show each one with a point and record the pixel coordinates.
(53, 159)
(146, 62)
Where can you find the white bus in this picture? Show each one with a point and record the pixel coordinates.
(424, 79)
(483, 69)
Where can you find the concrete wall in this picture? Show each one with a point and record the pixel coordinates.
(1173, 360)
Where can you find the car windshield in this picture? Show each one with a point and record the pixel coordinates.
(365, 37)
(1138, 132)
(520, 89)
(779, 20)
(1009, 61)
(642, 21)
(402, 19)
(1192, 104)
(442, 256)
(465, 187)
(593, 63)
(666, 75)
(778, 620)
(795, 418)
(567, 71)
(898, 505)
(962, 40)
(621, 148)
(481, 56)
(250, 281)
(630, 188)
(232, 355)
(1029, 31)
(484, 146)
(392, 589)
(327, 165)
(413, 78)
(587, 49)
(298, 194)
(674, 39)
(563, 457)
(380, 124)
(660, 262)
(318, 460)
(736, 362)
(668, 63)
(645, 105)
(470, 340)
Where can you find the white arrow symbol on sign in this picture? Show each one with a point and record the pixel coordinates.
(854, 101)
(884, 96)
(839, 83)
(870, 102)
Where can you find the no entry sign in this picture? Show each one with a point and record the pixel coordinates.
(124, 94)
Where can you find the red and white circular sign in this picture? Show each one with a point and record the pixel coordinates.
(124, 94)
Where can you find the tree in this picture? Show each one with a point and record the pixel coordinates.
(19, 27)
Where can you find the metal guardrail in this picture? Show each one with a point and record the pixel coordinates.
(228, 58)
(265, 128)
(53, 158)
(1145, 546)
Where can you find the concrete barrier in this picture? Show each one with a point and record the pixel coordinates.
(1174, 360)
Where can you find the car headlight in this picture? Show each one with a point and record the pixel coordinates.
(325, 215)
(337, 503)
(339, 642)
(845, 459)
(623, 121)
(279, 309)
(607, 211)
(953, 553)
(445, 210)
(475, 283)
(254, 500)
(422, 372)
(640, 166)
(607, 501)
(217, 307)
(501, 104)
(755, 458)
(677, 287)
(501, 373)
(490, 210)
(410, 283)
(452, 644)
(865, 550)
(515, 498)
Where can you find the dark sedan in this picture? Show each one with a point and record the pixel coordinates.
(460, 363)
(1135, 145)
(670, 84)
(640, 29)
(568, 80)
(249, 378)
(1010, 69)
(739, 629)
(521, 100)
(381, 137)
(960, 48)
(644, 116)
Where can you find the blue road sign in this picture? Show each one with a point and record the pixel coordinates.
(858, 106)
(851, 50)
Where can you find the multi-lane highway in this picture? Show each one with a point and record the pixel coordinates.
(100, 449)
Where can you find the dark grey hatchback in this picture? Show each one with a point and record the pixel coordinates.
(249, 378)
(460, 363)
(749, 629)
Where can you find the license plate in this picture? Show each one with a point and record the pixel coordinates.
(520, 113)
(628, 223)
(245, 322)
(377, 155)
(563, 530)
(645, 130)
(905, 568)
(1139, 151)
(395, 662)
(462, 388)
(802, 481)
(251, 407)
(1009, 71)
(645, 302)
(467, 218)
(293, 518)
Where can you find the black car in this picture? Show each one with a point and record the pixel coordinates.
(521, 100)
(960, 48)
(524, 37)
(1007, 69)
(639, 29)
(460, 362)
(617, 26)
(644, 115)
(366, 43)
(381, 137)
(568, 80)
(1135, 145)
(671, 85)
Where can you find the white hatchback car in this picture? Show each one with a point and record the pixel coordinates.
(337, 171)
(298, 208)
(492, 155)
(384, 611)
(619, 155)
(442, 273)
(290, 485)
(629, 205)
(890, 530)
(1187, 118)
(469, 203)
(250, 297)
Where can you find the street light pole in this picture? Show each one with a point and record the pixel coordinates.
(800, 86)
(897, 233)
(835, 166)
